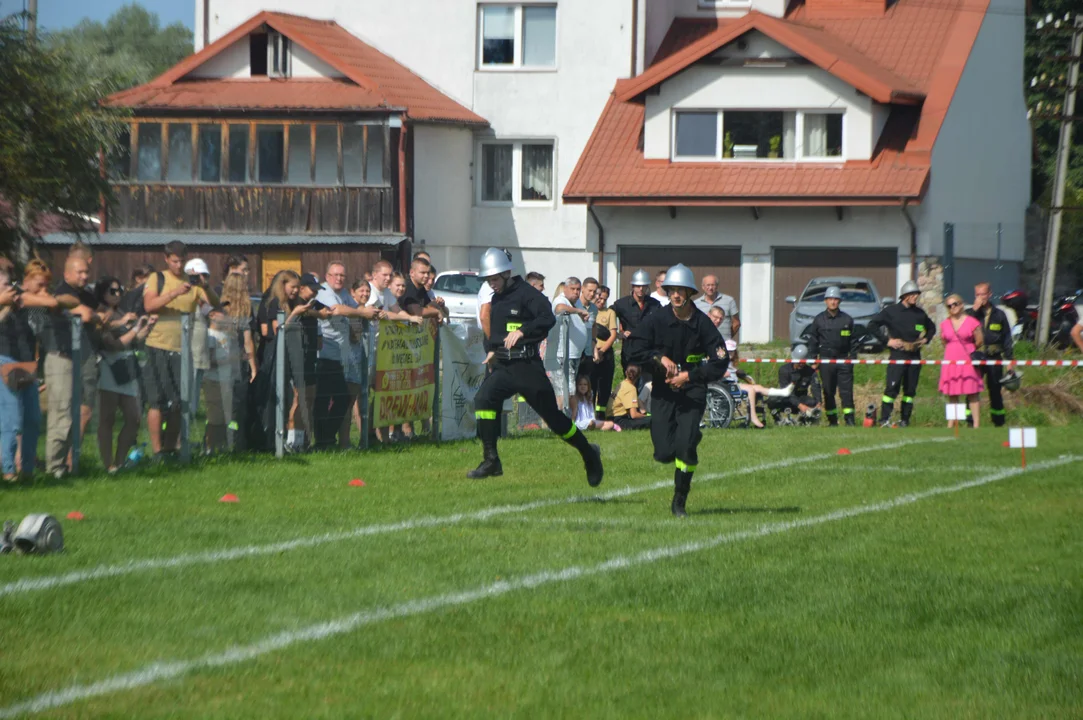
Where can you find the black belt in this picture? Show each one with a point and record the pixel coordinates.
(527, 352)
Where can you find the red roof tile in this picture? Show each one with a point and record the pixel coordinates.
(914, 53)
(373, 81)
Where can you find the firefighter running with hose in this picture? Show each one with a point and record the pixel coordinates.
(908, 330)
(520, 319)
(831, 336)
(683, 351)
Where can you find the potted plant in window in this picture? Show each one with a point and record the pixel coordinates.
(775, 141)
(727, 145)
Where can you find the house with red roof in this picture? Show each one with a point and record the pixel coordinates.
(287, 139)
(772, 143)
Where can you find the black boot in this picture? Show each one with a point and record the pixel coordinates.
(682, 483)
(849, 418)
(490, 465)
(591, 454)
(488, 431)
(833, 420)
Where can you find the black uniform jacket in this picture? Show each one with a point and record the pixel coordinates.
(908, 324)
(520, 307)
(694, 344)
(831, 337)
(805, 382)
(996, 330)
(629, 312)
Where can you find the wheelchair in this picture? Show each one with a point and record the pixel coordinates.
(727, 405)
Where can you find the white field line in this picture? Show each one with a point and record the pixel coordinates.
(46, 582)
(160, 671)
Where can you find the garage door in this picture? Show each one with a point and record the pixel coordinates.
(725, 263)
(794, 267)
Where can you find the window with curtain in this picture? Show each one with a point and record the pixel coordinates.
(537, 181)
(270, 153)
(696, 134)
(238, 153)
(496, 172)
(517, 36)
(180, 153)
(823, 135)
(497, 34)
(149, 161)
(300, 157)
(539, 36)
(210, 153)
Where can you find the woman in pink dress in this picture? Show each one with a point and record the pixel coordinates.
(961, 335)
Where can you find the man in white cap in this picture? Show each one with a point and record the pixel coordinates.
(683, 351)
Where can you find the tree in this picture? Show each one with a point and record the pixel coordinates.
(129, 49)
(51, 131)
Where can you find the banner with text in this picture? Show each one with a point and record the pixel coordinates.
(462, 351)
(405, 375)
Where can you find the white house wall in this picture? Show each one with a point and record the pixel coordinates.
(232, 63)
(981, 161)
(743, 88)
(304, 64)
(757, 239)
(442, 190)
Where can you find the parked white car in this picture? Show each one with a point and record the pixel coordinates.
(459, 288)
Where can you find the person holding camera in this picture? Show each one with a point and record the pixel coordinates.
(20, 409)
(118, 384)
(169, 294)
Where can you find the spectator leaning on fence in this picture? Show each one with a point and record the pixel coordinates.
(71, 294)
(712, 298)
(355, 361)
(604, 364)
(330, 407)
(169, 294)
(416, 300)
(240, 321)
(118, 385)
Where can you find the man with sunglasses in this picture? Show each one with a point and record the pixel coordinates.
(907, 329)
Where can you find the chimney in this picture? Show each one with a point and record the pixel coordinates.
(845, 8)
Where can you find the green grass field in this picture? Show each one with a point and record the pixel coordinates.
(917, 577)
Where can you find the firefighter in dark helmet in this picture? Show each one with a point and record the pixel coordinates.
(520, 319)
(683, 351)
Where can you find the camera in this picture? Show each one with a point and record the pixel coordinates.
(194, 279)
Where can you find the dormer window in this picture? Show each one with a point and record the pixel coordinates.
(752, 135)
(269, 54)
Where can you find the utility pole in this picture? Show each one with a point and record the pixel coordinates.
(32, 18)
(22, 214)
(1064, 149)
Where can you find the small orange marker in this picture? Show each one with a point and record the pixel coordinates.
(229, 497)
(844, 451)
(75, 515)
(357, 482)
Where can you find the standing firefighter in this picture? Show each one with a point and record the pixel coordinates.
(996, 334)
(631, 310)
(908, 329)
(683, 351)
(520, 319)
(831, 336)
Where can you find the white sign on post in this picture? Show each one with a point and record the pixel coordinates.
(1023, 437)
(955, 411)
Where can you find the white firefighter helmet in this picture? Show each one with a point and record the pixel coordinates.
(833, 293)
(641, 277)
(39, 534)
(909, 288)
(680, 276)
(799, 352)
(493, 262)
(1011, 380)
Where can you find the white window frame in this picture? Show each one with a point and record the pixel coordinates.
(516, 173)
(274, 37)
(799, 136)
(517, 41)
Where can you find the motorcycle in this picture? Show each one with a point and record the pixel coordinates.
(1063, 318)
(1026, 324)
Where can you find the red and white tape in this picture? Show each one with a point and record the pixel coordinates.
(885, 361)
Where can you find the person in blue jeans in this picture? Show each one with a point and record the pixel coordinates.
(20, 411)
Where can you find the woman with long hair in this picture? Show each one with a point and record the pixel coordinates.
(232, 366)
(118, 384)
(582, 407)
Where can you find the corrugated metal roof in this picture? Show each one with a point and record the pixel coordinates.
(158, 238)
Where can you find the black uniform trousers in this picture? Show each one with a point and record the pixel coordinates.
(330, 406)
(526, 378)
(675, 433)
(907, 376)
(840, 378)
(992, 375)
(601, 381)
